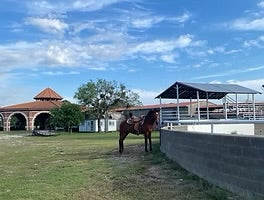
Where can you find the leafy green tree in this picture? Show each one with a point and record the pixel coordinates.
(13, 121)
(101, 96)
(67, 116)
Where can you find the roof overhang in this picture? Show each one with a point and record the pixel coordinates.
(214, 91)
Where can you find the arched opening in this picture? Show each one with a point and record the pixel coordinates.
(1, 122)
(18, 122)
(42, 121)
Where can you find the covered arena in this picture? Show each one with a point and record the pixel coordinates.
(30, 115)
(230, 109)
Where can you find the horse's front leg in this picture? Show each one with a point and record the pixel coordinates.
(121, 146)
(146, 142)
(150, 143)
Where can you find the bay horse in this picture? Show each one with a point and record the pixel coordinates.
(145, 128)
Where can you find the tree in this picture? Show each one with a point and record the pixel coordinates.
(14, 122)
(103, 95)
(67, 116)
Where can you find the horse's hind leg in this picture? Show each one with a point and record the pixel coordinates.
(150, 143)
(146, 142)
(121, 142)
(121, 146)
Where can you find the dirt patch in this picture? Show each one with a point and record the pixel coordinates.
(8, 137)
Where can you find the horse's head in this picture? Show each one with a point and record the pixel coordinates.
(157, 118)
(153, 116)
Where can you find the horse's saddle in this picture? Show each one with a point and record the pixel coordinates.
(135, 120)
(130, 121)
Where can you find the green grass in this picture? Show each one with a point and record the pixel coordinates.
(89, 166)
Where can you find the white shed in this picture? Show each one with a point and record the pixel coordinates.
(92, 125)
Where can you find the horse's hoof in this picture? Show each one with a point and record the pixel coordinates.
(146, 150)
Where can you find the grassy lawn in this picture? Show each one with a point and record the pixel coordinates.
(88, 166)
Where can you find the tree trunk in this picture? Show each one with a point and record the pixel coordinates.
(106, 122)
(99, 125)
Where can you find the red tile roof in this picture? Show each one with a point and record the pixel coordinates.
(48, 94)
(35, 106)
(156, 106)
(46, 100)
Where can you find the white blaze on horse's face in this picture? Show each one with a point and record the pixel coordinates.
(157, 117)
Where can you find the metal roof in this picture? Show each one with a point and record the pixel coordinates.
(214, 91)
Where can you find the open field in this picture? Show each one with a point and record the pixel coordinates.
(88, 166)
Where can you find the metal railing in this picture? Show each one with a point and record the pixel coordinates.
(171, 116)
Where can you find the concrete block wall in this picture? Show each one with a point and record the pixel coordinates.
(259, 129)
(232, 162)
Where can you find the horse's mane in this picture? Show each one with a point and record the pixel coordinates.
(151, 116)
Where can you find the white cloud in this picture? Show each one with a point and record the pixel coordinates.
(30, 55)
(107, 41)
(251, 43)
(261, 4)
(223, 50)
(254, 21)
(169, 58)
(149, 21)
(233, 51)
(46, 7)
(219, 49)
(231, 72)
(247, 24)
(58, 53)
(259, 42)
(92, 5)
(184, 41)
(60, 73)
(79, 27)
(149, 58)
(146, 22)
(183, 18)
(162, 46)
(147, 96)
(54, 26)
(210, 51)
(196, 53)
(95, 52)
(41, 7)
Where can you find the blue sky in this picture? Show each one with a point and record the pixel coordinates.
(145, 44)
